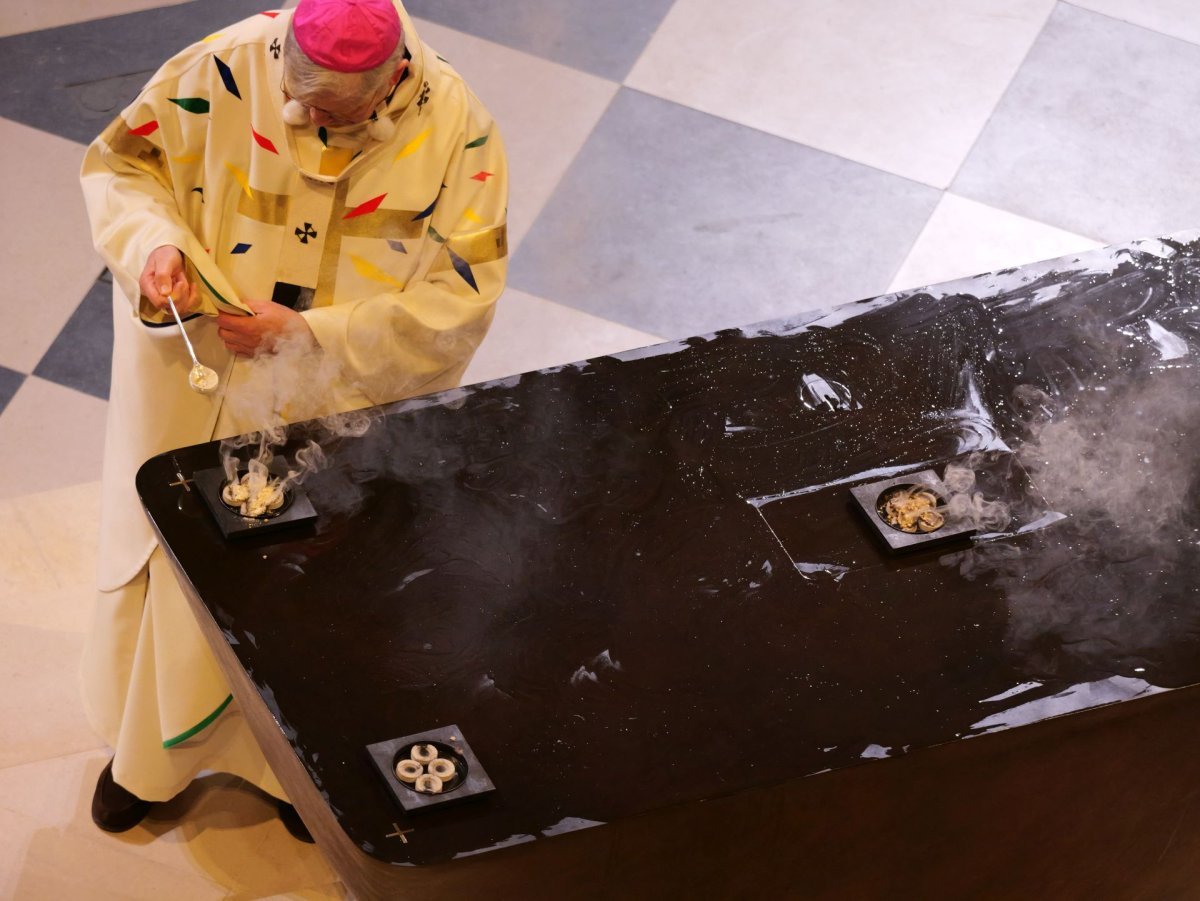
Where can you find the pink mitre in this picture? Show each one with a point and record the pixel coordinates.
(346, 35)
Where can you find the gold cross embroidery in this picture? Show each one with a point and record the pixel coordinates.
(265, 207)
(384, 224)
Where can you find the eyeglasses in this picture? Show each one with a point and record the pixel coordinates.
(359, 115)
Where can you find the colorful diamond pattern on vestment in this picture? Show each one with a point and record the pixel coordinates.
(323, 134)
(471, 216)
(242, 179)
(269, 13)
(425, 212)
(463, 268)
(369, 270)
(187, 159)
(397, 246)
(433, 233)
(211, 37)
(415, 144)
(478, 142)
(264, 143)
(196, 105)
(240, 247)
(481, 175)
(227, 78)
(148, 129)
(369, 206)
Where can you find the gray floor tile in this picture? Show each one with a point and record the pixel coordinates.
(1096, 133)
(603, 38)
(675, 223)
(17, 18)
(81, 355)
(10, 381)
(71, 81)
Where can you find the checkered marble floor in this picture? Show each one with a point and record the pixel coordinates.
(677, 166)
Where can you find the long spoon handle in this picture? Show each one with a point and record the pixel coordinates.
(182, 330)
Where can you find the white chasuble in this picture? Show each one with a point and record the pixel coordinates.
(394, 251)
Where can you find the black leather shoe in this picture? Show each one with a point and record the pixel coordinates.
(113, 808)
(292, 822)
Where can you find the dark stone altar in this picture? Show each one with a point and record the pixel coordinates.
(639, 583)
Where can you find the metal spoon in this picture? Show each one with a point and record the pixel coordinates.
(201, 378)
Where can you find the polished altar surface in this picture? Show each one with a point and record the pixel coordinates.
(638, 581)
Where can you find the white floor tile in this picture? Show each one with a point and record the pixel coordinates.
(218, 838)
(98, 867)
(50, 437)
(334, 892)
(48, 558)
(41, 713)
(1177, 18)
(226, 832)
(45, 244)
(16, 18)
(26, 577)
(46, 794)
(964, 238)
(56, 791)
(15, 833)
(545, 111)
(904, 87)
(529, 333)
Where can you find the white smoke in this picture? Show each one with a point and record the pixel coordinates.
(292, 382)
(964, 503)
(1110, 587)
(1121, 460)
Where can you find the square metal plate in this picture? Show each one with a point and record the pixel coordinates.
(233, 525)
(474, 781)
(867, 497)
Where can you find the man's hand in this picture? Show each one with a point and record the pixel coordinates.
(164, 275)
(271, 322)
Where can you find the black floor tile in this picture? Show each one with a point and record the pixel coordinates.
(1096, 102)
(10, 381)
(604, 38)
(72, 80)
(692, 223)
(81, 355)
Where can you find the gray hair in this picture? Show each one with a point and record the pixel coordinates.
(306, 78)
